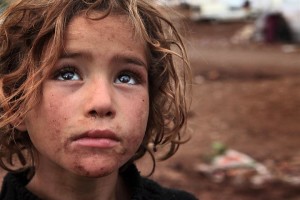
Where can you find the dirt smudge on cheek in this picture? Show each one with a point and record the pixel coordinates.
(56, 139)
(57, 121)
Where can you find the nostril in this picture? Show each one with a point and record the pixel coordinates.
(109, 114)
(95, 114)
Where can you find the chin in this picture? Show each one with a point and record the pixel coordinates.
(93, 173)
(95, 169)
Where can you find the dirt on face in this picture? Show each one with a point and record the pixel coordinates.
(245, 96)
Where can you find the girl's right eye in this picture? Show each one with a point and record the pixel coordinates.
(67, 74)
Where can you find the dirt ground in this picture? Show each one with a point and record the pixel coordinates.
(245, 96)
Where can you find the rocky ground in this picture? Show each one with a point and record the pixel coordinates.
(245, 97)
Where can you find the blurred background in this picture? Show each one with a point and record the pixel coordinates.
(245, 112)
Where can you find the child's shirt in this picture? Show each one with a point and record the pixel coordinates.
(13, 188)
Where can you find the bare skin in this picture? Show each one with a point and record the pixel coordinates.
(93, 113)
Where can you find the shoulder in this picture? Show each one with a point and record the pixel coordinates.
(155, 191)
(147, 189)
(13, 187)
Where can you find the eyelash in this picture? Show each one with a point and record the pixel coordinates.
(65, 69)
(135, 74)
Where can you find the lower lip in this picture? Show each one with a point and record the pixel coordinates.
(104, 143)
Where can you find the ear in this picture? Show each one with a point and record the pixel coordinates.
(20, 125)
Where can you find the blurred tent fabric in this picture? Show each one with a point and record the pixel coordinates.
(275, 20)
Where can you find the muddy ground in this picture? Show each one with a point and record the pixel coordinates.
(245, 96)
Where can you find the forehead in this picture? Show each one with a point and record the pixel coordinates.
(111, 26)
(97, 36)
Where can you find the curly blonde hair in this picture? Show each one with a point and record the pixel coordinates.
(29, 26)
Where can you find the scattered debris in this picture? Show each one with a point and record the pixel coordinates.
(288, 48)
(240, 169)
(244, 35)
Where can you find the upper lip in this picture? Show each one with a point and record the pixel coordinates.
(107, 134)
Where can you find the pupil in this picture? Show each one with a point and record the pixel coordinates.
(125, 79)
(68, 75)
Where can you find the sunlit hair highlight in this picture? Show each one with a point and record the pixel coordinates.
(29, 27)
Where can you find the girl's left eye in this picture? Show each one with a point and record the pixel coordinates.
(67, 74)
(126, 78)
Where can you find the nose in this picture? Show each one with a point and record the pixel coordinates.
(99, 100)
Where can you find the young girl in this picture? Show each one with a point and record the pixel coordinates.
(87, 88)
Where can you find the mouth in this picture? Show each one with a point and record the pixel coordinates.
(103, 139)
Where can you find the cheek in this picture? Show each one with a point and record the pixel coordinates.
(45, 119)
(138, 114)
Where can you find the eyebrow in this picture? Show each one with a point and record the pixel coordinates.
(121, 57)
(129, 58)
(76, 54)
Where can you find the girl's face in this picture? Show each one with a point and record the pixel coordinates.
(94, 107)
